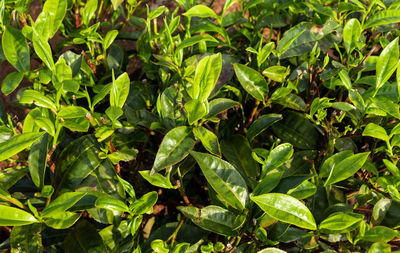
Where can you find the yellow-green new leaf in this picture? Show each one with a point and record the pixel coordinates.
(10, 216)
(206, 76)
(16, 49)
(286, 208)
(375, 131)
(387, 63)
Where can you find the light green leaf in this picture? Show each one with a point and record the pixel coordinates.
(200, 11)
(16, 49)
(344, 77)
(375, 131)
(224, 179)
(89, 12)
(340, 222)
(277, 73)
(119, 90)
(351, 34)
(43, 49)
(196, 110)
(10, 216)
(17, 143)
(34, 96)
(346, 168)
(213, 218)
(384, 17)
(208, 139)
(286, 208)
(111, 203)
(277, 157)
(50, 19)
(11, 82)
(144, 204)
(252, 81)
(387, 63)
(194, 40)
(206, 76)
(174, 147)
(62, 203)
(109, 39)
(332, 161)
(157, 179)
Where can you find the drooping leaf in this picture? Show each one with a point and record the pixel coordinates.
(208, 139)
(213, 218)
(224, 179)
(237, 151)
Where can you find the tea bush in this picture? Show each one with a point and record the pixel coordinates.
(265, 126)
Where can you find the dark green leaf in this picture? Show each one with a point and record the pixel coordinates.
(17, 143)
(11, 82)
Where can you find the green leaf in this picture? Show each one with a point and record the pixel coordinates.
(196, 110)
(26, 238)
(346, 168)
(62, 220)
(340, 222)
(208, 139)
(156, 13)
(261, 124)
(237, 151)
(89, 12)
(46, 124)
(10, 216)
(380, 247)
(62, 203)
(387, 106)
(351, 34)
(74, 118)
(303, 191)
(11, 82)
(36, 97)
(264, 52)
(206, 76)
(17, 143)
(110, 37)
(387, 63)
(277, 157)
(157, 179)
(286, 208)
(43, 50)
(268, 183)
(174, 147)
(51, 17)
(37, 160)
(219, 105)
(119, 90)
(384, 17)
(332, 161)
(277, 73)
(392, 168)
(16, 49)
(84, 238)
(344, 77)
(375, 131)
(224, 179)
(116, 3)
(379, 234)
(200, 11)
(111, 203)
(188, 42)
(213, 218)
(144, 204)
(271, 250)
(252, 81)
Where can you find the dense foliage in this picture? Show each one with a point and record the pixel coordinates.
(261, 126)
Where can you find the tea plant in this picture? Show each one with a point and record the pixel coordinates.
(269, 126)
